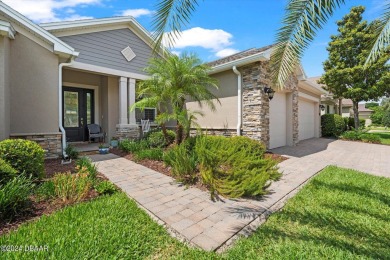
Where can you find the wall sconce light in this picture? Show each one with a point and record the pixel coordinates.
(322, 107)
(269, 91)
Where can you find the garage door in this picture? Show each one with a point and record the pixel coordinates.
(306, 119)
(277, 121)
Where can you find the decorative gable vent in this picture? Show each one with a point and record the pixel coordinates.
(128, 53)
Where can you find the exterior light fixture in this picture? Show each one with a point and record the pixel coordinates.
(322, 107)
(269, 91)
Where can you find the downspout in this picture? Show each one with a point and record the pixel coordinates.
(60, 116)
(239, 96)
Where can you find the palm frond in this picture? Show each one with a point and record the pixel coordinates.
(300, 23)
(383, 39)
(172, 15)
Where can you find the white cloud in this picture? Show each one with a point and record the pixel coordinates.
(47, 10)
(76, 17)
(215, 39)
(136, 12)
(226, 52)
(177, 53)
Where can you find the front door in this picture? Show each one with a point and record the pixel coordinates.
(78, 107)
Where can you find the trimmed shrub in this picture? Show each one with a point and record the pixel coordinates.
(157, 139)
(151, 154)
(183, 161)
(332, 125)
(369, 138)
(72, 187)
(377, 116)
(386, 119)
(25, 156)
(133, 146)
(14, 197)
(235, 166)
(105, 187)
(86, 162)
(350, 123)
(6, 171)
(351, 135)
(71, 151)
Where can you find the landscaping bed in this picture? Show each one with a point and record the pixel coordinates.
(31, 187)
(339, 214)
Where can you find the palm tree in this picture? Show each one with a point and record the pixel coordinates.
(301, 21)
(174, 80)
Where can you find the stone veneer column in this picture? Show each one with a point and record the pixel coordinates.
(292, 85)
(255, 103)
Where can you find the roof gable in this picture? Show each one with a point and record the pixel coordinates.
(59, 47)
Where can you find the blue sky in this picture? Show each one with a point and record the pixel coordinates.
(217, 28)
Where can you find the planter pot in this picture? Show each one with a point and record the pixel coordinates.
(104, 150)
(114, 143)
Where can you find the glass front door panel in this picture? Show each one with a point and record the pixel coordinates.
(89, 108)
(71, 109)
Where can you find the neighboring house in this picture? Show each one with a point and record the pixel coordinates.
(56, 78)
(328, 103)
(292, 115)
(364, 112)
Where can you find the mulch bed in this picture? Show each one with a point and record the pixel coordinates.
(40, 208)
(159, 166)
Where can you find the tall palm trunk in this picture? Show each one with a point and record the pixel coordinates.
(179, 133)
(165, 133)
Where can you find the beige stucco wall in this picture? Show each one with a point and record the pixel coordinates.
(4, 88)
(113, 105)
(225, 115)
(34, 87)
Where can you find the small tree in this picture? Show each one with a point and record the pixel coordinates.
(386, 119)
(345, 75)
(175, 80)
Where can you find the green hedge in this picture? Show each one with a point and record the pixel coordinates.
(157, 139)
(25, 156)
(386, 119)
(234, 166)
(6, 171)
(332, 125)
(361, 136)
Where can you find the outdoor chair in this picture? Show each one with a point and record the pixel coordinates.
(145, 126)
(95, 131)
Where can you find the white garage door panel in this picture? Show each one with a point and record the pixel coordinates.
(306, 119)
(277, 121)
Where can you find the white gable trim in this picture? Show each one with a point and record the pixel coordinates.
(107, 71)
(7, 30)
(59, 47)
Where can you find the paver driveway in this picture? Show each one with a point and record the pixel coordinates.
(318, 153)
(189, 214)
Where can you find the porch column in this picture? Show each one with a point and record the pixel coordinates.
(123, 101)
(131, 93)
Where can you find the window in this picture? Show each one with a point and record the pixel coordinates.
(147, 114)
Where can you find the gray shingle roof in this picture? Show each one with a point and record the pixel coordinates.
(239, 55)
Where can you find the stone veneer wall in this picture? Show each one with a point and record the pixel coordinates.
(292, 85)
(255, 103)
(50, 142)
(218, 132)
(127, 132)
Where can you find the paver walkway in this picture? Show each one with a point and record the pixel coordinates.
(189, 214)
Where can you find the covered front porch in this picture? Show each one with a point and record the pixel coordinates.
(89, 97)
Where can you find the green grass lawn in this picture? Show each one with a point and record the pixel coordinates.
(384, 136)
(340, 214)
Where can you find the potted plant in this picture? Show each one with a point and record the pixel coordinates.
(104, 149)
(114, 141)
